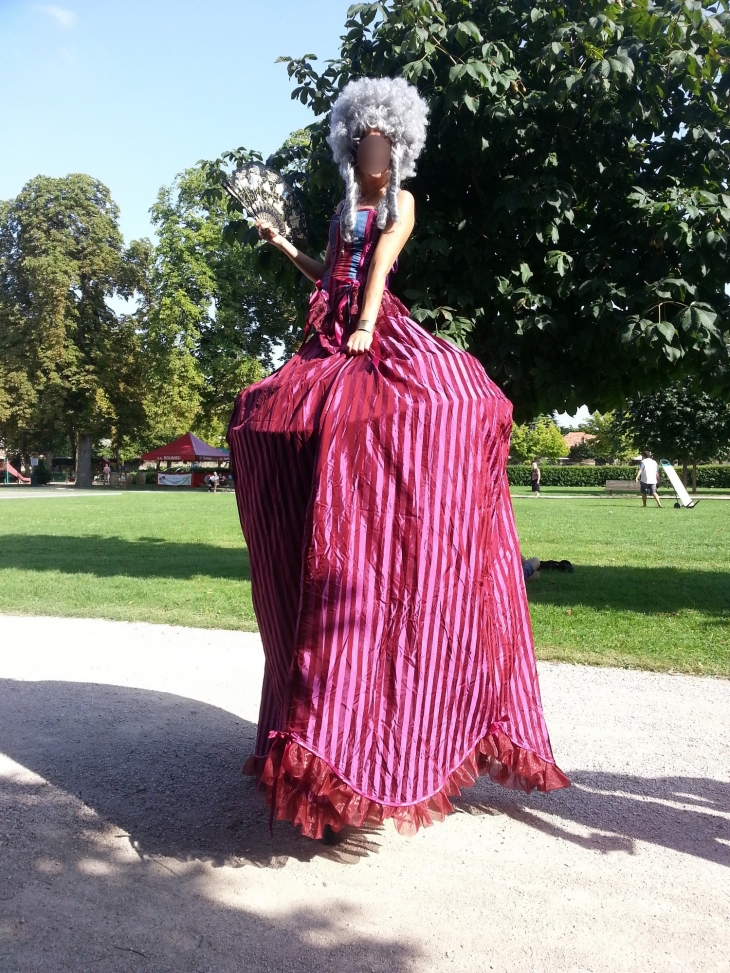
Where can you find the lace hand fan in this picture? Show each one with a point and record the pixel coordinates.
(264, 195)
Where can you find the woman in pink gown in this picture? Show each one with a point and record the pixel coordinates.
(385, 569)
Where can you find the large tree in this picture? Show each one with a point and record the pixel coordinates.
(224, 324)
(680, 423)
(572, 200)
(68, 361)
(610, 438)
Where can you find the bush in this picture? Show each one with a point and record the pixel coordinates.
(42, 474)
(591, 476)
(570, 476)
(150, 477)
(581, 451)
(711, 476)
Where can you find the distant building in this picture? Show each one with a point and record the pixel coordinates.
(576, 438)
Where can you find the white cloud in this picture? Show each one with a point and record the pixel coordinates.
(66, 18)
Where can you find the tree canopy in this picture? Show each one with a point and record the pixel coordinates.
(610, 437)
(572, 201)
(204, 322)
(679, 422)
(207, 303)
(538, 439)
(69, 363)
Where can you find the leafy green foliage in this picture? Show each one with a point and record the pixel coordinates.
(610, 438)
(570, 476)
(221, 322)
(678, 422)
(540, 438)
(581, 450)
(306, 163)
(43, 474)
(572, 201)
(70, 365)
(590, 476)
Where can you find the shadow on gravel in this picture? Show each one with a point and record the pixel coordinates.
(686, 814)
(164, 769)
(106, 557)
(69, 901)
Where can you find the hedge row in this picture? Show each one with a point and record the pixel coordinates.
(587, 476)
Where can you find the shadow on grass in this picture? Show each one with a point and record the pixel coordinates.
(646, 590)
(146, 557)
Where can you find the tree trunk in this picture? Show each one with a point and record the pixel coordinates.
(684, 472)
(83, 461)
(694, 476)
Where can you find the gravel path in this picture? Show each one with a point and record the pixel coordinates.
(130, 842)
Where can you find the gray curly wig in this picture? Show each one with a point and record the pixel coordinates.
(396, 110)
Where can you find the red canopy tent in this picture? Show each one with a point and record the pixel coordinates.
(185, 449)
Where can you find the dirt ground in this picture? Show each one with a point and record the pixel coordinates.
(129, 841)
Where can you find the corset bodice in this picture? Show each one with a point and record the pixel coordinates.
(351, 261)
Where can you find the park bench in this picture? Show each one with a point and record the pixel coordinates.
(621, 486)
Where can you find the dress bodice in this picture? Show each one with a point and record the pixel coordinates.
(351, 261)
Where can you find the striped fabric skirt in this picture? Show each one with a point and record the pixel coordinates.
(386, 579)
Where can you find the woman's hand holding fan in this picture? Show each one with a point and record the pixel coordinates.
(267, 199)
(269, 233)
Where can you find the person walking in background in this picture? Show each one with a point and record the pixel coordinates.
(214, 481)
(648, 477)
(107, 473)
(535, 479)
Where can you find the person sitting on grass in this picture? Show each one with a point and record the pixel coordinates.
(531, 567)
(648, 477)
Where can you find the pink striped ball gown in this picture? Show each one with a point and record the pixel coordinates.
(385, 571)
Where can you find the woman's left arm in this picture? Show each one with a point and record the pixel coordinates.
(391, 242)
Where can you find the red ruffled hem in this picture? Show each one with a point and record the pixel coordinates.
(302, 788)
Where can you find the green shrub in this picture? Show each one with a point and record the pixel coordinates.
(150, 477)
(570, 476)
(582, 451)
(594, 476)
(42, 474)
(711, 476)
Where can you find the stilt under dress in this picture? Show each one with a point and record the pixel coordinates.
(385, 571)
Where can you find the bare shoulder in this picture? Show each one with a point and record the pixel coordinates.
(406, 203)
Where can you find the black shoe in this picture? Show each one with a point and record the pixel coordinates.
(329, 835)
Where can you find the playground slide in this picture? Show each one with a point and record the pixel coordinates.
(12, 471)
(679, 488)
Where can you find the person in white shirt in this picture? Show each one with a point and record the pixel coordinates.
(648, 477)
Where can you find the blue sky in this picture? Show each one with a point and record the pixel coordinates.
(133, 91)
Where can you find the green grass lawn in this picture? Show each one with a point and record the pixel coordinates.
(651, 588)
(176, 557)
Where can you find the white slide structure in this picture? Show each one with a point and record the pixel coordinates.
(683, 498)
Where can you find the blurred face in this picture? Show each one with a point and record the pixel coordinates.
(373, 153)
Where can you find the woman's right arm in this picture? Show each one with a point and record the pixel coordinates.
(311, 268)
